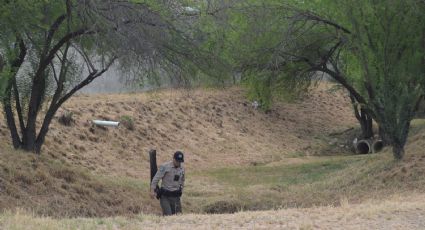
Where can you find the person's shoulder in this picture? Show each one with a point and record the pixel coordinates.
(168, 164)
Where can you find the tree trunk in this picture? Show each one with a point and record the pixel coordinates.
(366, 123)
(365, 120)
(36, 99)
(398, 150)
(28, 140)
(384, 136)
(400, 141)
(45, 127)
(37, 146)
(7, 99)
(10, 117)
(33, 142)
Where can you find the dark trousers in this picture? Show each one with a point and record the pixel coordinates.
(170, 205)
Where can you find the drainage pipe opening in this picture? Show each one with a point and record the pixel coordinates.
(377, 146)
(363, 147)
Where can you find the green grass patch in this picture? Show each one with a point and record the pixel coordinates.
(416, 126)
(282, 175)
(312, 181)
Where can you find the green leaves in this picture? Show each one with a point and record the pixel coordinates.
(4, 78)
(375, 49)
(387, 55)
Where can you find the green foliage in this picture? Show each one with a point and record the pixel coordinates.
(388, 47)
(4, 78)
(66, 118)
(375, 49)
(259, 85)
(267, 87)
(54, 48)
(127, 122)
(241, 33)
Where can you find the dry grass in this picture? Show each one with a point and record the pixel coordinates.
(313, 182)
(51, 187)
(238, 158)
(397, 212)
(206, 124)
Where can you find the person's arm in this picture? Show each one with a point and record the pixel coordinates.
(183, 179)
(158, 176)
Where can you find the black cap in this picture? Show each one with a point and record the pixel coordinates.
(179, 156)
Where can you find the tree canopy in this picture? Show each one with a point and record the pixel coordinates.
(374, 49)
(51, 49)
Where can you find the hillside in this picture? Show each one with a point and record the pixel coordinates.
(214, 127)
(237, 157)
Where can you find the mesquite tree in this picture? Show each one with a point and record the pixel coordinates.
(279, 49)
(51, 49)
(376, 51)
(373, 49)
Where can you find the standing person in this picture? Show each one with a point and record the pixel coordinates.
(172, 176)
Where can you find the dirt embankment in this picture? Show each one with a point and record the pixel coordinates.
(90, 171)
(214, 128)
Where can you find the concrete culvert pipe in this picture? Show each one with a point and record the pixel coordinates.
(363, 147)
(377, 146)
(106, 123)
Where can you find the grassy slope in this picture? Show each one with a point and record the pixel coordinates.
(237, 159)
(351, 192)
(312, 181)
(53, 187)
(396, 212)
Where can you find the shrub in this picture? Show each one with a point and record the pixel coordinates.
(222, 207)
(66, 118)
(127, 121)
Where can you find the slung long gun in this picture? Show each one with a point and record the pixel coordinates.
(154, 169)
